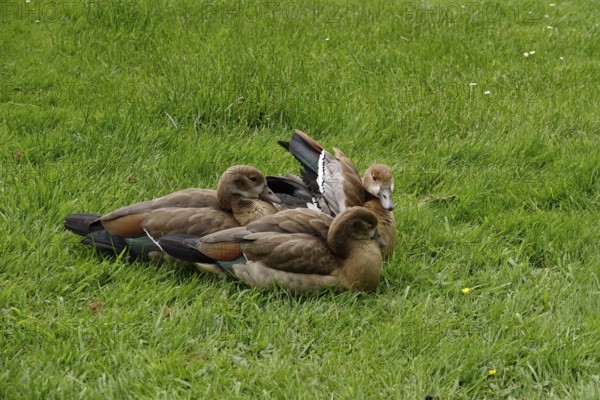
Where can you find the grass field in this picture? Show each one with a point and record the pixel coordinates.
(487, 112)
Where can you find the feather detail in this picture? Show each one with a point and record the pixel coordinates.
(333, 180)
(179, 246)
(299, 249)
(82, 223)
(239, 199)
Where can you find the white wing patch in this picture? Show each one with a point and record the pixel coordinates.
(330, 180)
(321, 175)
(153, 240)
(313, 206)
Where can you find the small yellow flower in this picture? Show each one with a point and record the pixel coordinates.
(466, 290)
(492, 372)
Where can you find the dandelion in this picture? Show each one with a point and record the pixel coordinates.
(492, 372)
(466, 290)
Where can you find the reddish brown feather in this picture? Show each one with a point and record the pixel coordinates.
(222, 251)
(126, 226)
(310, 141)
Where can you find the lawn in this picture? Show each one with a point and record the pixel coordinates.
(487, 112)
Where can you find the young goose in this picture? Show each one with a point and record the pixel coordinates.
(336, 184)
(242, 196)
(379, 186)
(299, 249)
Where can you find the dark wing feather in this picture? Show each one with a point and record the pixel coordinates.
(306, 150)
(135, 248)
(82, 224)
(177, 246)
(292, 191)
(105, 241)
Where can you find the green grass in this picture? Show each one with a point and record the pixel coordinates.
(107, 103)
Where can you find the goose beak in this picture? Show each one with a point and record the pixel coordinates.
(385, 197)
(268, 195)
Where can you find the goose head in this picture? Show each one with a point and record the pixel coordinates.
(379, 181)
(243, 182)
(355, 224)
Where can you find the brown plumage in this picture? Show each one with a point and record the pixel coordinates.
(127, 221)
(337, 185)
(299, 249)
(378, 183)
(242, 196)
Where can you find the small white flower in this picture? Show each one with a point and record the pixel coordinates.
(326, 39)
(562, 58)
(552, 5)
(487, 92)
(549, 27)
(526, 54)
(37, 20)
(27, 1)
(473, 84)
(532, 52)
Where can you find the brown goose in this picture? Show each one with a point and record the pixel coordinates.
(299, 249)
(242, 196)
(378, 183)
(336, 184)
